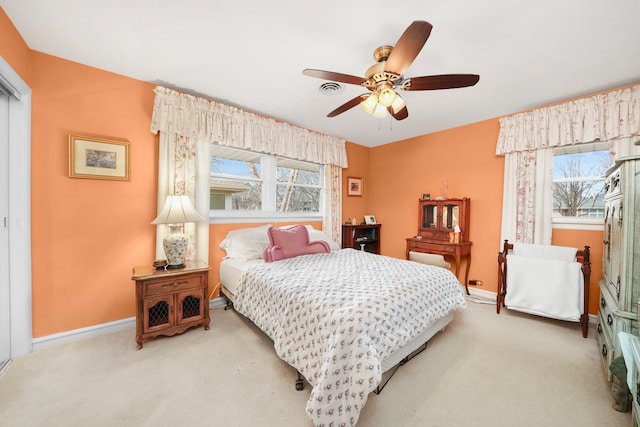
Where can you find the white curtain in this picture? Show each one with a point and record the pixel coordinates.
(332, 224)
(527, 141)
(188, 124)
(184, 169)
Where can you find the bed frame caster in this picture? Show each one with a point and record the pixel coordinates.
(299, 382)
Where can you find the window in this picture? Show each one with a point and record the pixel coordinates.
(246, 184)
(578, 184)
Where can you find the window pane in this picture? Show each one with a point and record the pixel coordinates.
(578, 186)
(298, 186)
(298, 176)
(222, 166)
(297, 199)
(249, 200)
(236, 179)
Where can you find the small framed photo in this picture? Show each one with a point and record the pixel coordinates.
(354, 186)
(369, 219)
(98, 158)
(426, 196)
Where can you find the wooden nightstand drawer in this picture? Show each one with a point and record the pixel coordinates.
(174, 285)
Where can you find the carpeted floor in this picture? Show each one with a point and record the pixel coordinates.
(485, 369)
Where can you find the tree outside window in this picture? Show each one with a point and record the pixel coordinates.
(578, 181)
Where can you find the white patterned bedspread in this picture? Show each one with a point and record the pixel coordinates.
(334, 317)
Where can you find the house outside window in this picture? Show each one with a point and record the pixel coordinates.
(249, 186)
(578, 185)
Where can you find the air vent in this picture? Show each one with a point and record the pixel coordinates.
(330, 88)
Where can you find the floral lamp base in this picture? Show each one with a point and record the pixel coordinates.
(175, 247)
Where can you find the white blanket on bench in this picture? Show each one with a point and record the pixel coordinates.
(545, 287)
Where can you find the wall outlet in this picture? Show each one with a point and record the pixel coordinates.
(475, 282)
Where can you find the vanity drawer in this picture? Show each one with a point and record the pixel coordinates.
(432, 247)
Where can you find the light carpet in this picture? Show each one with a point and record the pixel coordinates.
(485, 369)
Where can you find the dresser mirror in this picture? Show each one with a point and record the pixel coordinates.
(437, 218)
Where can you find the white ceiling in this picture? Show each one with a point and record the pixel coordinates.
(251, 53)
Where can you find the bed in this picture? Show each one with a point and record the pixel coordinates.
(342, 319)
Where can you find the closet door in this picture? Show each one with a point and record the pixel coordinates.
(5, 303)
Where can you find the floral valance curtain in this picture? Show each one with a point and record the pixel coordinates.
(605, 116)
(527, 141)
(211, 121)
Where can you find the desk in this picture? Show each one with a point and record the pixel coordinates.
(457, 251)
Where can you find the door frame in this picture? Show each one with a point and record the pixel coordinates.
(19, 210)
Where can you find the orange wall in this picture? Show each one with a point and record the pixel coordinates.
(464, 158)
(357, 206)
(87, 234)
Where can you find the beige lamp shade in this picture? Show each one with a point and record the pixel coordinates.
(177, 210)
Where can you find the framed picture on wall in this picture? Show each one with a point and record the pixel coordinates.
(98, 158)
(354, 186)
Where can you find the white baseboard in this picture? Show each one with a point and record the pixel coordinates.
(92, 331)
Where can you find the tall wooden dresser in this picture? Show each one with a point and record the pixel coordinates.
(620, 284)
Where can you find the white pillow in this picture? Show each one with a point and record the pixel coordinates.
(246, 243)
(321, 235)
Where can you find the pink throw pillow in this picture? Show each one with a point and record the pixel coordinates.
(291, 242)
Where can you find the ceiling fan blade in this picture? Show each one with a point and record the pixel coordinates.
(336, 77)
(443, 81)
(400, 115)
(348, 105)
(408, 47)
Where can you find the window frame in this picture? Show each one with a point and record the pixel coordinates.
(269, 165)
(575, 223)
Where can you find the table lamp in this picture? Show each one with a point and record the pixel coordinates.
(176, 211)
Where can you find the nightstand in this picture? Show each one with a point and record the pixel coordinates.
(168, 302)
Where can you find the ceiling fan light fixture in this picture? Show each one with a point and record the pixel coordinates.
(398, 104)
(387, 96)
(370, 103)
(380, 111)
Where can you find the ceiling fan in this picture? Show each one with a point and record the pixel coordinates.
(386, 76)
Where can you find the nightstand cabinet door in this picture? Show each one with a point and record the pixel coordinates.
(190, 306)
(158, 313)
